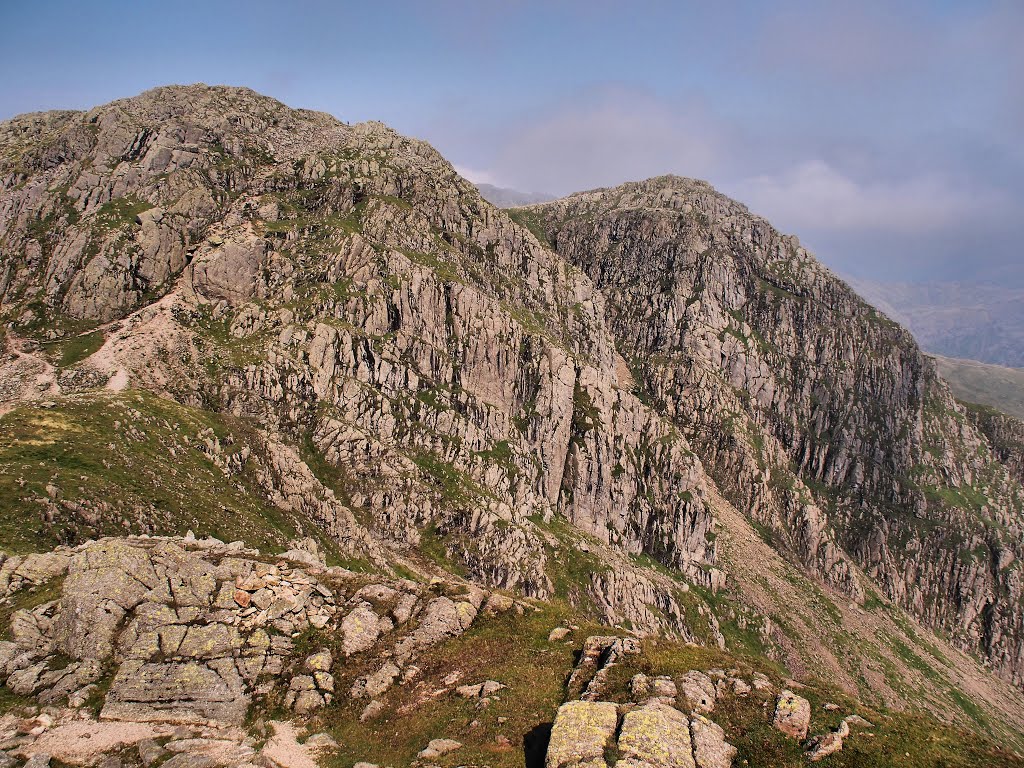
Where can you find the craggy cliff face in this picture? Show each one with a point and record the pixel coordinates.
(343, 287)
(644, 403)
(814, 414)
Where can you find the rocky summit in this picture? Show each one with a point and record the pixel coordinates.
(312, 456)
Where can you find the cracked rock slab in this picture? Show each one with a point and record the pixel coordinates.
(655, 736)
(580, 733)
(175, 692)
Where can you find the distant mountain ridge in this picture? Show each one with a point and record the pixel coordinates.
(996, 386)
(983, 322)
(503, 197)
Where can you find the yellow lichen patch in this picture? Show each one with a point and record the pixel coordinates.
(581, 731)
(658, 735)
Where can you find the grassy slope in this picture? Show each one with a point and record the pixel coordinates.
(104, 464)
(875, 652)
(993, 385)
(515, 651)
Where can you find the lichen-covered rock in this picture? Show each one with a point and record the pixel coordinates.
(311, 691)
(104, 582)
(698, 692)
(580, 733)
(558, 634)
(160, 615)
(375, 683)
(360, 629)
(655, 736)
(710, 749)
(437, 748)
(792, 715)
(443, 618)
(823, 746)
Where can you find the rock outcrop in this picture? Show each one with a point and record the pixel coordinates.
(652, 735)
(581, 733)
(190, 631)
(792, 715)
(340, 286)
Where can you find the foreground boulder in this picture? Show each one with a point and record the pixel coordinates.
(581, 732)
(655, 736)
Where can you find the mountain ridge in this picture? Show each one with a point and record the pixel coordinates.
(422, 382)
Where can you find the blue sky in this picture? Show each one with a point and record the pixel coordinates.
(886, 134)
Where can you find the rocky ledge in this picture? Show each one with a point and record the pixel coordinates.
(178, 638)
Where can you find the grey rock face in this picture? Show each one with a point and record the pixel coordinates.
(428, 338)
(816, 415)
(1004, 433)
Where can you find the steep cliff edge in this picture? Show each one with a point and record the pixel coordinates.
(816, 415)
(332, 332)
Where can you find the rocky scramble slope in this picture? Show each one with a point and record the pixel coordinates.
(263, 325)
(196, 653)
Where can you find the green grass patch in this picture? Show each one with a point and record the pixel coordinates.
(511, 649)
(75, 349)
(532, 221)
(120, 212)
(104, 464)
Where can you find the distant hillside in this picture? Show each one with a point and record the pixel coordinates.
(511, 198)
(993, 385)
(977, 321)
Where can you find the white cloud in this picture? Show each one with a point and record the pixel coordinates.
(816, 196)
(476, 175)
(605, 137)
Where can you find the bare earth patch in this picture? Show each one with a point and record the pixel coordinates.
(285, 750)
